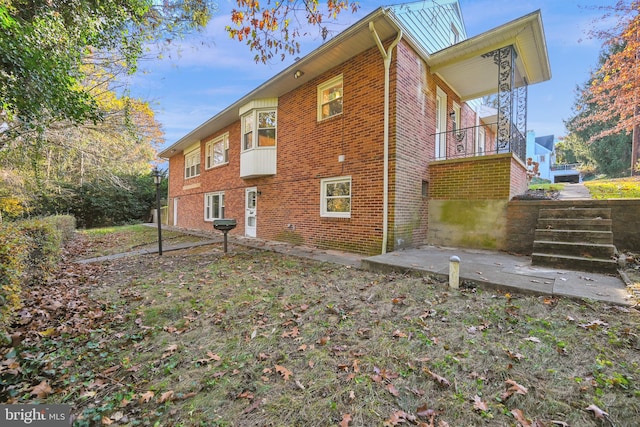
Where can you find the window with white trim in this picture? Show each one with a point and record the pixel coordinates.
(213, 206)
(330, 96)
(192, 163)
(335, 197)
(455, 34)
(217, 151)
(259, 129)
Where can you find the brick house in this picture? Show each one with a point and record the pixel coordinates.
(374, 141)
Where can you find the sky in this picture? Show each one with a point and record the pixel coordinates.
(207, 72)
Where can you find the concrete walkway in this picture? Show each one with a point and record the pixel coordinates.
(574, 192)
(482, 268)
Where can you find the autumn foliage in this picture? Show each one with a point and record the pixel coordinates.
(276, 28)
(615, 87)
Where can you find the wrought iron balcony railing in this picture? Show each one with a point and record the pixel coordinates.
(479, 141)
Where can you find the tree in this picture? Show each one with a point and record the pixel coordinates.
(613, 94)
(44, 44)
(270, 31)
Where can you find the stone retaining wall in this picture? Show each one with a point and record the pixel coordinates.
(522, 216)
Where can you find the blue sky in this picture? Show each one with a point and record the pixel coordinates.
(208, 72)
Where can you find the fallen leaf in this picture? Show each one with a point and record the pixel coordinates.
(533, 339)
(424, 411)
(255, 405)
(42, 390)
(292, 333)
(594, 324)
(146, 397)
(479, 405)
(391, 389)
(520, 418)
(346, 420)
(245, 395)
(399, 334)
(597, 412)
(169, 351)
(514, 388)
(166, 396)
(437, 378)
(284, 372)
(514, 356)
(106, 421)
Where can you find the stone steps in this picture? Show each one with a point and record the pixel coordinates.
(575, 239)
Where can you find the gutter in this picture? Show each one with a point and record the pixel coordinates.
(386, 56)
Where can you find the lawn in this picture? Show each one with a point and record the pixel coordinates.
(620, 188)
(255, 338)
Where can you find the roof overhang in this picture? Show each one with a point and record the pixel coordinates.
(471, 73)
(461, 66)
(351, 42)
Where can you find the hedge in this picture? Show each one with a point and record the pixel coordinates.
(29, 253)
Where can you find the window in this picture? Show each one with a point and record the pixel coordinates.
(192, 163)
(213, 206)
(330, 98)
(456, 117)
(455, 34)
(259, 129)
(335, 197)
(217, 151)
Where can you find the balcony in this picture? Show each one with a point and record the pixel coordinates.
(480, 140)
(258, 162)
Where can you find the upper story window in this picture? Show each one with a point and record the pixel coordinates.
(192, 163)
(217, 151)
(330, 98)
(335, 197)
(259, 129)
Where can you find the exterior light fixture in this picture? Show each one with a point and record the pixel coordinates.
(157, 180)
(298, 74)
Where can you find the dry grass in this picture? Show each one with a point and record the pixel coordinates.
(255, 338)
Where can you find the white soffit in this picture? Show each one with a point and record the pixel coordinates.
(463, 67)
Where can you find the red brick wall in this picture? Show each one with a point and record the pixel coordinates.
(289, 204)
(288, 208)
(413, 145)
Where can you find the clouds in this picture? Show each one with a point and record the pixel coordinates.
(206, 72)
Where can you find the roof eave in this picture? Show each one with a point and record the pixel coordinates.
(313, 64)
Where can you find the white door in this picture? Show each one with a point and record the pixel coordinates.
(250, 220)
(441, 124)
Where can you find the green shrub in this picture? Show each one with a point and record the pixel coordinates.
(29, 253)
(13, 246)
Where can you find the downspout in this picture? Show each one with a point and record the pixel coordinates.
(386, 56)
